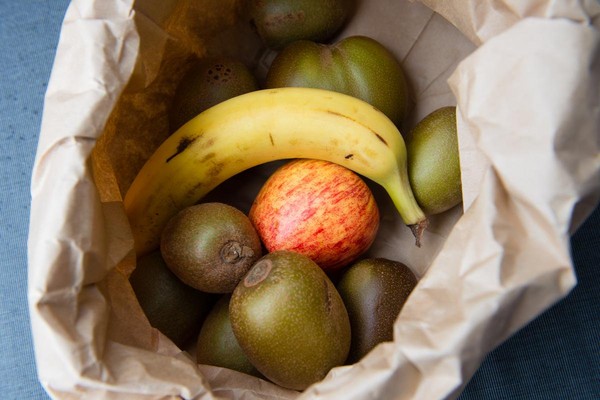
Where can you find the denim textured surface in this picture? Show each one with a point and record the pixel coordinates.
(557, 356)
(29, 32)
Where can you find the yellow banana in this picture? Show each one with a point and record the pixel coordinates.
(263, 126)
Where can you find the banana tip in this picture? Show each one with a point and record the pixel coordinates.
(418, 229)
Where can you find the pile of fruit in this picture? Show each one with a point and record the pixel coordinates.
(286, 292)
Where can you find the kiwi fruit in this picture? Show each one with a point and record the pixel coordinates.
(210, 246)
(217, 344)
(434, 162)
(374, 291)
(171, 306)
(280, 22)
(209, 81)
(359, 66)
(290, 320)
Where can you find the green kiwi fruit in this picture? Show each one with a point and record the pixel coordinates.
(280, 22)
(434, 162)
(171, 306)
(290, 320)
(217, 344)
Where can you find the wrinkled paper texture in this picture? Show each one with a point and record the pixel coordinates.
(525, 76)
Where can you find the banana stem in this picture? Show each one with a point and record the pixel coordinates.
(418, 229)
(398, 187)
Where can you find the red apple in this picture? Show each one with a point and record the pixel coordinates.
(316, 208)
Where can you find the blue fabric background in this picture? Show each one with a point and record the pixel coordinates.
(557, 356)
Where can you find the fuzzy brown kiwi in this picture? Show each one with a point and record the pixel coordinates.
(172, 307)
(208, 82)
(374, 291)
(210, 246)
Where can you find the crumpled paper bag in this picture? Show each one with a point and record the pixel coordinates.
(524, 75)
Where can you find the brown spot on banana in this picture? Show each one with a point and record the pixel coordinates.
(380, 137)
(358, 122)
(207, 157)
(184, 143)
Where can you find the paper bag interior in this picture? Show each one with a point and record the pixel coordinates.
(171, 41)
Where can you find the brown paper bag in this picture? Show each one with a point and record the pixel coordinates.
(525, 77)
